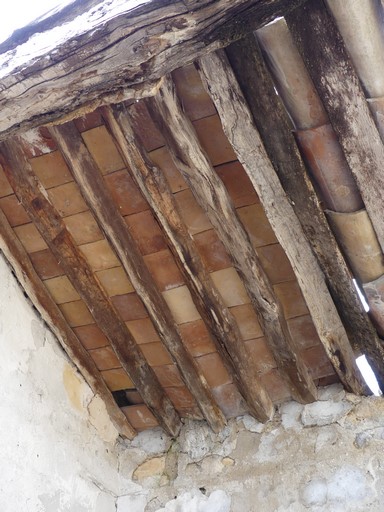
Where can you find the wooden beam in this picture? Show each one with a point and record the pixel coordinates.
(101, 203)
(322, 48)
(275, 128)
(212, 196)
(15, 253)
(53, 230)
(218, 319)
(240, 129)
(118, 53)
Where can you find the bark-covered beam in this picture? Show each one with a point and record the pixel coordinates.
(218, 319)
(114, 52)
(105, 210)
(53, 230)
(213, 197)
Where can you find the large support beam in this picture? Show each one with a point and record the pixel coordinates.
(218, 319)
(275, 129)
(54, 232)
(334, 76)
(240, 129)
(212, 196)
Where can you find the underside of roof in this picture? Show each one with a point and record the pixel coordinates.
(187, 194)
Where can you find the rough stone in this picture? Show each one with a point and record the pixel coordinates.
(324, 413)
(150, 468)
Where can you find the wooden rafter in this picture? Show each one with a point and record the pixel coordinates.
(54, 232)
(208, 301)
(99, 199)
(212, 196)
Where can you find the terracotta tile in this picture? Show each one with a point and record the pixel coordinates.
(103, 149)
(51, 169)
(181, 398)
(61, 290)
(67, 199)
(275, 386)
(14, 211)
(181, 305)
(191, 412)
(125, 193)
(83, 227)
(115, 281)
(164, 270)
(257, 225)
(213, 140)
(144, 127)
(229, 400)
(88, 121)
(91, 336)
(133, 397)
(140, 417)
(30, 238)
(45, 264)
(100, 255)
(162, 159)
(212, 251)
(247, 321)
(275, 263)
(327, 381)
(168, 375)
(5, 187)
(105, 358)
(317, 361)
(76, 313)
(37, 141)
(291, 299)
(303, 331)
(129, 306)
(191, 213)
(156, 354)
(196, 338)
(142, 330)
(260, 355)
(230, 287)
(117, 379)
(146, 232)
(237, 183)
(213, 369)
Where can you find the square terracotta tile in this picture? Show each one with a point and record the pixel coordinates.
(67, 199)
(191, 213)
(275, 386)
(117, 379)
(115, 281)
(230, 287)
(129, 306)
(140, 417)
(212, 251)
(181, 305)
(213, 140)
(105, 358)
(168, 375)
(99, 255)
(275, 263)
(181, 398)
(51, 169)
(30, 238)
(291, 299)
(156, 354)
(146, 232)
(91, 336)
(76, 313)
(142, 330)
(303, 331)
(161, 157)
(103, 149)
(144, 127)
(247, 321)
(5, 187)
(260, 355)
(37, 141)
(164, 270)
(317, 361)
(257, 225)
(61, 290)
(125, 193)
(238, 184)
(83, 227)
(45, 264)
(229, 400)
(88, 121)
(196, 338)
(14, 211)
(213, 369)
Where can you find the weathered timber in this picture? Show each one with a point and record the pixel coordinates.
(18, 258)
(334, 76)
(100, 201)
(275, 129)
(238, 125)
(212, 196)
(53, 230)
(218, 319)
(114, 53)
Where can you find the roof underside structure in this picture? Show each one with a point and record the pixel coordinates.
(188, 193)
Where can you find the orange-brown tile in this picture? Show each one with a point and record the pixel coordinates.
(212, 250)
(140, 417)
(291, 299)
(260, 355)
(91, 336)
(327, 381)
(237, 183)
(103, 149)
(181, 398)
(213, 140)
(164, 270)
(229, 400)
(133, 397)
(125, 193)
(30, 238)
(67, 199)
(230, 287)
(45, 264)
(142, 330)
(14, 211)
(51, 169)
(247, 321)
(303, 331)
(145, 128)
(5, 187)
(181, 305)
(275, 263)
(88, 121)
(37, 141)
(162, 159)
(115, 281)
(191, 213)
(257, 225)
(156, 354)
(146, 232)
(213, 369)
(117, 379)
(83, 227)
(196, 338)
(317, 361)
(100, 255)
(275, 386)
(76, 313)
(105, 358)
(61, 290)
(168, 375)
(129, 306)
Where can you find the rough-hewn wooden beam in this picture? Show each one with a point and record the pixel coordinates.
(106, 211)
(54, 232)
(334, 76)
(275, 129)
(15, 253)
(212, 196)
(112, 51)
(219, 321)
(238, 124)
